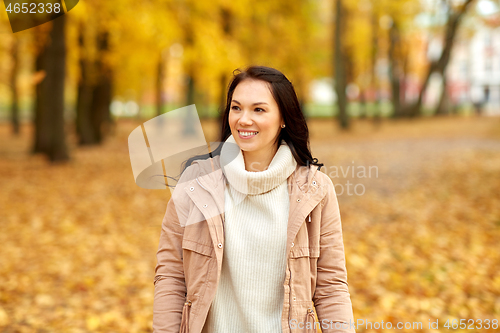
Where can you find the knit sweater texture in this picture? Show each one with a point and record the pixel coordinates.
(249, 297)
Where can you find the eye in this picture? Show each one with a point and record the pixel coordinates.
(234, 107)
(260, 110)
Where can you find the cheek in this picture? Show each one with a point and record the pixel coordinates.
(270, 125)
(231, 120)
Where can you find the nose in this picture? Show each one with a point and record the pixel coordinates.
(245, 119)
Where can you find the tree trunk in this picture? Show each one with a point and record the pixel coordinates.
(102, 91)
(443, 107)
(440, 65)
(302, 105)
(57, 65)
(84, 129)
(14, 107)
(395, 70)
(188, 129)
(222, 98)
(41, 120)
(51, 95)
(339, 65)
(299, 86)
(159, 85)
(373, 77)
(223, 91)
(227, 26)
(362, 105)
(101, 100)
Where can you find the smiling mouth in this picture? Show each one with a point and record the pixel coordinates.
(247, 133)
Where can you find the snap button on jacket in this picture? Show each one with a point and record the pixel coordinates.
(191, 248)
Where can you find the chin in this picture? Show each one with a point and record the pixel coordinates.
(246, 147)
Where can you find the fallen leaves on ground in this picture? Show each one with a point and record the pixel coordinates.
(79, 240)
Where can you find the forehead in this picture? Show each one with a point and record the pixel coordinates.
(249, 90)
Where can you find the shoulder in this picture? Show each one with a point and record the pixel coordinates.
(309, 177)
(207, 170)
(323, 178)
(328, 188)
(199, 168)
(199, 175)
(310, 174)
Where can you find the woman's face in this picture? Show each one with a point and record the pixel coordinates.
(254, 118)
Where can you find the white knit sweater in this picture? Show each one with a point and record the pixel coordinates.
(249, 297)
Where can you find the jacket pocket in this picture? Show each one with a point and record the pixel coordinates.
(199, 248)
(299, 252)
(303, 265)
(198, 262)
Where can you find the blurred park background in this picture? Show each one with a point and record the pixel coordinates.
(410, 88)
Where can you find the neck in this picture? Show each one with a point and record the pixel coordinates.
(256, 161)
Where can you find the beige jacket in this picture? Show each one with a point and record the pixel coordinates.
(191, 247)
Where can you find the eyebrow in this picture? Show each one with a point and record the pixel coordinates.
(252, 104)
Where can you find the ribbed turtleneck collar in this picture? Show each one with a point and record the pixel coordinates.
(248, 182)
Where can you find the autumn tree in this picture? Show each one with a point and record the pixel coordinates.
(374, 83)
(14, 55)
(102, 91)
(455, 15)
(95, 82)
(360, 48)
(14, 106)
(339, 65)
(49, 118)
(393, 20)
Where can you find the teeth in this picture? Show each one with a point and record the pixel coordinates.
(248, 133)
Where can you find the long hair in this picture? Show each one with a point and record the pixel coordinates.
(295, 133)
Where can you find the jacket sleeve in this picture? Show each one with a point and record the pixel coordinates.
(170, 287)
(331, 298)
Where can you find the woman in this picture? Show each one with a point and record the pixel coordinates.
(251, 240)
